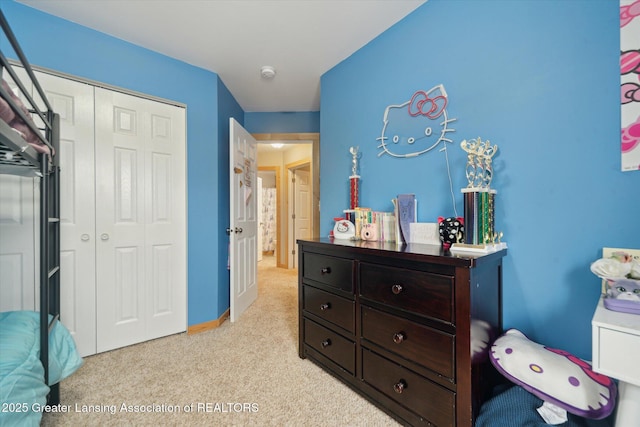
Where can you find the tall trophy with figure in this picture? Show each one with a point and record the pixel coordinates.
(479, 200)
(345, 226)
(354, 178)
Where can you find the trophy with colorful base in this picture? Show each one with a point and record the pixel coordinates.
(354, 178)
(479, 200)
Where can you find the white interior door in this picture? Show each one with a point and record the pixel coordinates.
(243, 214)
(73, 101)
(300, 210)
(260, 220)
(140, 219)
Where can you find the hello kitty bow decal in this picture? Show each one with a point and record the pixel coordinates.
(421, 100)
(416, 126)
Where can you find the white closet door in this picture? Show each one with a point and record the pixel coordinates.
(17, 234)
(165, 219)
(260, 218)
(17, 243)
(140, 219)
(73, 101)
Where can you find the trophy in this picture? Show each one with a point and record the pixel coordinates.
(354, 178)
(479, 200)
(479, 171)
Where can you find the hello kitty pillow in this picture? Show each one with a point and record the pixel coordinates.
(554, 376)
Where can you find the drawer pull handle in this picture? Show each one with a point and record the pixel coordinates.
(326, 270)
(325, 306)
(326, 343)
(398, 337)
(399, 386)
(396, 289)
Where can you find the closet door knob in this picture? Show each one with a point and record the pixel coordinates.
(238, 229)
(396, 289)
(104, 236)
(85, 237)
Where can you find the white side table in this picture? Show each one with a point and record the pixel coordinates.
(616, 352)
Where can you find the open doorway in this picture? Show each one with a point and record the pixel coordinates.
(278, 156)
(268, 214)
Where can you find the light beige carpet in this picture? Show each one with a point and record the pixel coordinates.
(246, 373)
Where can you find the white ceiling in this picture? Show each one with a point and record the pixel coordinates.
(301, 39)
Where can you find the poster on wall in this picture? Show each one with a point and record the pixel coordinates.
(630, 83)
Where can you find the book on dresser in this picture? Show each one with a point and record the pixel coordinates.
(406, 326)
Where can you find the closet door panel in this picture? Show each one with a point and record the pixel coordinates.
(126, 285)
(140, 218)
(73, 101)
(18, 233)
(165, 220)
(17, 248)
(120, 283)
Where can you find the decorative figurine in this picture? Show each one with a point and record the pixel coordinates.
(451, 231)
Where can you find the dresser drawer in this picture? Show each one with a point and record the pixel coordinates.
(328, 270)
(425, 294)
(330, 344)
(429, 400)
(616, 336)
(425, 346)
(330, 307)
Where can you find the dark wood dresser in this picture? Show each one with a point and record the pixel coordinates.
(405, 326)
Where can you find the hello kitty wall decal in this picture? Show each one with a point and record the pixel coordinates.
(416, 126)
(421, 125)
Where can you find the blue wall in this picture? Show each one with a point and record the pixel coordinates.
(541, 80)
(64, 46)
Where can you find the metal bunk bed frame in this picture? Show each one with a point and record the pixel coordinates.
(17, 157)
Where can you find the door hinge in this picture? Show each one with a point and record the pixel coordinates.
(293, 252)
(293, 216)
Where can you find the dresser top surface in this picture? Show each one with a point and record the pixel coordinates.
(626, 322)
(433, 253)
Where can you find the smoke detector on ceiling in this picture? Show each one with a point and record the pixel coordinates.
(267, 72)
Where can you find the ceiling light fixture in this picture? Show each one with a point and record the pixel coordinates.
(267, 72)
(277, 145)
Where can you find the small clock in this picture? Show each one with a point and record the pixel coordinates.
(344, 229)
